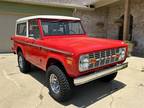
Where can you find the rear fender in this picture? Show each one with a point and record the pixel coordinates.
(22, 49)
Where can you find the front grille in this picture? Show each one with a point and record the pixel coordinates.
(104, 57)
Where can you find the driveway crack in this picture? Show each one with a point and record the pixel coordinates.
(10, 79)
(41, 97)
(112, 100)
(10, 74)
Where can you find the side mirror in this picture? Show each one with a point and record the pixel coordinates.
(31, 35)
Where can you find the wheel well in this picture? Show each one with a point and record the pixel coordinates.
(56, 62)
(53, 61)
(19, 49)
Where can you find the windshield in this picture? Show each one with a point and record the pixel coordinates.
(61, 27)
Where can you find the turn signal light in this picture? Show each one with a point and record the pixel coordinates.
(92, 61)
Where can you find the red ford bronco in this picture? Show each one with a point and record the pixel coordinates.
(60, 46)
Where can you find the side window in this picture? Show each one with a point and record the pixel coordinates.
(21, 29)
(34, 29)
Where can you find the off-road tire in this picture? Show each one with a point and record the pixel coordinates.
(26, 65)
(109, 78)
(65, 87)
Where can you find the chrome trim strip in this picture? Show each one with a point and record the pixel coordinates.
(45, 48)
(96, 75)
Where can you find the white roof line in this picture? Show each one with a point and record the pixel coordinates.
(47, 17)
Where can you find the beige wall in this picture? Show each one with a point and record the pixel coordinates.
(7, 28)
(10, 12)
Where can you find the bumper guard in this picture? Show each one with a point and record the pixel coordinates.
(99, 74)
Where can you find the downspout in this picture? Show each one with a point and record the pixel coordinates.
(74, 12)
(126, 20)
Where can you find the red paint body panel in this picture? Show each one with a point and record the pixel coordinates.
(37, 51)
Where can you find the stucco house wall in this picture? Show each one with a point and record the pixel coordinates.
(108, 15)
(137, 9)
(90, 20)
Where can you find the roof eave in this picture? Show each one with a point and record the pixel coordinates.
(59, 5)
(101, 3)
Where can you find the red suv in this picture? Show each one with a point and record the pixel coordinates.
(60, 46)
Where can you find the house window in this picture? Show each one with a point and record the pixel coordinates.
(21, 29)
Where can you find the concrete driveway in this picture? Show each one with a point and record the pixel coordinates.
(18, 90)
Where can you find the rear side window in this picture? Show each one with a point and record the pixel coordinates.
(21, 29)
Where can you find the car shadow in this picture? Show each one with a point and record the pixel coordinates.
(87, 94)
(92, 92)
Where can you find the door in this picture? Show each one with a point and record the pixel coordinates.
(120, 35)
(33, 37)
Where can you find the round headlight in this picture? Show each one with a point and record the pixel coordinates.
(84, 63)
(122, 52)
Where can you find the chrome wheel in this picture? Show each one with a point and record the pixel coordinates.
(54, 84)
(20, 61)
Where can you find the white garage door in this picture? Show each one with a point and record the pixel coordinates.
(7, 29)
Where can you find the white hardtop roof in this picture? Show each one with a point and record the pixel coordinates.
(47, 17)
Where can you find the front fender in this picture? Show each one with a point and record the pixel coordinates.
(63, 59)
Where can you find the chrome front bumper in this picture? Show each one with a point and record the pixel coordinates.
(99, 74)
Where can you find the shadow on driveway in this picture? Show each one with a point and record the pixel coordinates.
(86, 94)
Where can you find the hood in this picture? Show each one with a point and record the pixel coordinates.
(82, 44)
